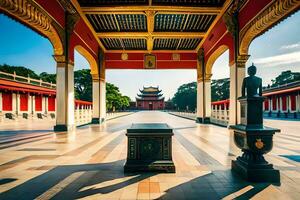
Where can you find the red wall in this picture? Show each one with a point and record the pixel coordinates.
(267, 104)
(7, 101)
(274, 103)
(38, 103)
(284, 107)
(145, 105)
(24, 102)
(293, 102)
(51, 103)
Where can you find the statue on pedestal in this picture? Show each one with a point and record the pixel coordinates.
(252, 84)
(252, 136)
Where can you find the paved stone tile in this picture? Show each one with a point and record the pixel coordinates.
(88, 163)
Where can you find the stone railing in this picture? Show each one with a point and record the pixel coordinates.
(219, 116)
(83, 112)
(111, 115)
(185, 114)
(28, 80)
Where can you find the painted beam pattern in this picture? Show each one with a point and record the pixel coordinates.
(163, 61)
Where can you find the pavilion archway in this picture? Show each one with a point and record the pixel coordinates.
(33, 16)
(276, 12)
(89, 57)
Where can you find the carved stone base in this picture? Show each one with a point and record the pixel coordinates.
(205, 120)
(157, 166)
(97, 120)
(254, 168)
(62, 128)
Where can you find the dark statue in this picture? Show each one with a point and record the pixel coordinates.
(251, 136)
(252, 84)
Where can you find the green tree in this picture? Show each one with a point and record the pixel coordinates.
(20, 70)
(286, 77)
(186, 96)
(220, 89)
(114, 99)
(83, 84)
(48, 77)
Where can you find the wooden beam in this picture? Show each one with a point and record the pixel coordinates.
(219, 16)
(78, 8)
(153, 34)
(133, 9)
(150, 28)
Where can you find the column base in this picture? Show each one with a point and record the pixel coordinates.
(205, 120)
(97, 120)
(63, 128)
(256, 173)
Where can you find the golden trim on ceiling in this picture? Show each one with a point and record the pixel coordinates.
(133, 9)
(153, 34)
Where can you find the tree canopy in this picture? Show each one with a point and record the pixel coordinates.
(186, 96)
(286, 77)
(220, 89)
(20, 70)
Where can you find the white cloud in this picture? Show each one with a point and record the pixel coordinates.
(291, 46)
(283, 59)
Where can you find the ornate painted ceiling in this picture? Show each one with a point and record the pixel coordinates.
(151, 25)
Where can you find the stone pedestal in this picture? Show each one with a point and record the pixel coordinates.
(149, 148)
(254, 140)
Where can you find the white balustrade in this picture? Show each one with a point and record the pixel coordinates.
(83, 114)
(219, 116)
(23, 79)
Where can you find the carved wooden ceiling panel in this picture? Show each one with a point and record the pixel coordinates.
(124, 43)
(117, 22)
(151, 25)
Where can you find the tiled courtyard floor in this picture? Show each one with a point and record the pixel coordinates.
(88, 163)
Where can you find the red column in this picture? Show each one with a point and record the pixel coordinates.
(266, 105)
(284, 105)
(7, 101)
(51, 103)
(38, 103)
(293, 102)
(24, 102)
(274, 103)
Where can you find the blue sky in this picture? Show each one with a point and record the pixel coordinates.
(275, 51)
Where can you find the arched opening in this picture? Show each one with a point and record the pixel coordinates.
(84, 67)
(218, 66)
(278, 64)
(26, 61)
(176, 81)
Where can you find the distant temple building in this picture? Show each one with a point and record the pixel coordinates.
(150, 98)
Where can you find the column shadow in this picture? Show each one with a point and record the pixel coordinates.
(215, 185)
(92, 175)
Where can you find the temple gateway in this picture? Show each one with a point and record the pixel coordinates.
(150, 98)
